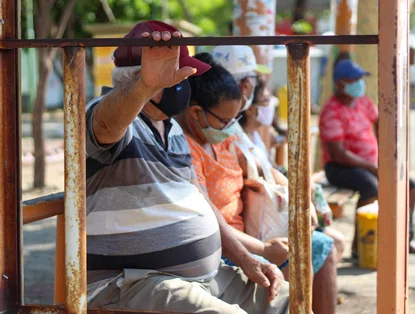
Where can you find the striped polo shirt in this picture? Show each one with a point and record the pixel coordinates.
(143, 211)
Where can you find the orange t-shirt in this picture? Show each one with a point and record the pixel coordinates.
(222, 178)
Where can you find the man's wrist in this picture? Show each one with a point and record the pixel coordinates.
(141, 86)
(263, 251)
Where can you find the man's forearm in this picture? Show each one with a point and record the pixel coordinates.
(252, 244)
(118, 109)
(350, 159)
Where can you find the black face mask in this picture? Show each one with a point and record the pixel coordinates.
(175, 99)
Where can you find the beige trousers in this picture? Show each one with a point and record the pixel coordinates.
(229, 292)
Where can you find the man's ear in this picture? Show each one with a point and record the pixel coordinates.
(194, 111)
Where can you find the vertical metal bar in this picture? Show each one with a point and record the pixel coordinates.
(299, 177)
(393, 156)
(10, 220)
(59, 290)
(75, 200)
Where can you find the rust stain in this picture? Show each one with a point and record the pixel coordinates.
(75, 198)
(44, 309)
(10, 274)
(299, 178)
(393, 193)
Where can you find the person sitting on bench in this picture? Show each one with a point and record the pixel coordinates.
(349, 143)
(210, 124)
(259, 115)
(154, 241)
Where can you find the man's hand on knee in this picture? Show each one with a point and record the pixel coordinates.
(263, 274)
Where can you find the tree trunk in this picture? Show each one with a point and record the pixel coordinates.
(45, 59)
(37, 123)
(299, 10)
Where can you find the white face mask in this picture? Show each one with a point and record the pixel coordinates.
(248, 102)
(266, 114)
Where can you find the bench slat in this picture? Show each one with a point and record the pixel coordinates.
(340, 196)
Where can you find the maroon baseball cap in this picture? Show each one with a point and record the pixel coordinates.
(131, 56)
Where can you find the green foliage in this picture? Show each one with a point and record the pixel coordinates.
(302, 27)
(212, 16)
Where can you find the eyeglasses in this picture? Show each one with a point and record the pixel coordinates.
(227, 123)
(255, 77)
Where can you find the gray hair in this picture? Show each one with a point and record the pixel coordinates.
(122, 75)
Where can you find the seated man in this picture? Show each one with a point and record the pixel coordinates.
(350, 147)
(154, 242)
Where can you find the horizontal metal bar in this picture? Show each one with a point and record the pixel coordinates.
(47, 198)
(51, 309)
(192, 41)
(41, 309)
(43, 207)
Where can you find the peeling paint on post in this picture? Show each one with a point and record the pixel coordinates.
(255, 18)
(299, 177)
(10, 219)
(75, 199)
(393, 156)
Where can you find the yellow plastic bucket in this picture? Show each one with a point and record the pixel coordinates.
(367, 220)
(282, 95)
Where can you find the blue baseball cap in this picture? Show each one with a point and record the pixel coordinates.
(347, 69)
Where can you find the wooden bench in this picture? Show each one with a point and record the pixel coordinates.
(336, 197)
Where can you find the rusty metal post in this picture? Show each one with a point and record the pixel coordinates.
(10, 219)
(59, 296)
(299, 177)
(75, 200)
(393, 156)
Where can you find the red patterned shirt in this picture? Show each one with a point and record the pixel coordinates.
(352, 125)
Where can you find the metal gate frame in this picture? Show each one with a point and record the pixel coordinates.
(393, 64)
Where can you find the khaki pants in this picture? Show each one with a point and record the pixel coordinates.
(230, 292)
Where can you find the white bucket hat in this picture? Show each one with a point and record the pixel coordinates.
(238, 59)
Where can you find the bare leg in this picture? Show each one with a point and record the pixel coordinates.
(325, 286)
(339, 242)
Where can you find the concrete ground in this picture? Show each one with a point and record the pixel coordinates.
(356, 286)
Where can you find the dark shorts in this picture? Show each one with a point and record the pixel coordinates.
(357, 179)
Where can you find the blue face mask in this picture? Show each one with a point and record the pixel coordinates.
(215, 136)
(355, 89)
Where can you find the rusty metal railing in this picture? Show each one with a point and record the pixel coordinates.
(393, 170)
(299, 166)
